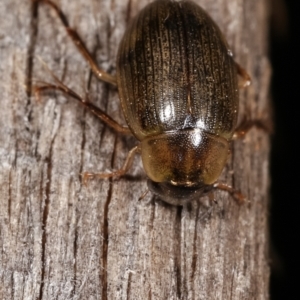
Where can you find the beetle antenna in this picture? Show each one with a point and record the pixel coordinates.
(143, 195)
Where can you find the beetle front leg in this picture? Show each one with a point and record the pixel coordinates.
(237, 195)
(127, 165)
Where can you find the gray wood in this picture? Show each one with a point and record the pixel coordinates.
(60, 239)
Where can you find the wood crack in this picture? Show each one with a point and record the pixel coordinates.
(9, 196)
(75, 253)
(195, 252)
(28, 82)
(178, 253)
(103, 278)
(12, 285)
(128, 12)
(30, 52)
(105, 231)
(48, 161)
(44, 221)
(129, 286)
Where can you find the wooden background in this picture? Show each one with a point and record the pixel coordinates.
(62, 240)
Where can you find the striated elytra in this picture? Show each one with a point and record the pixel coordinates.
(178, 87)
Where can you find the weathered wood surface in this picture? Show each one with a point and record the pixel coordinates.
(62, 240)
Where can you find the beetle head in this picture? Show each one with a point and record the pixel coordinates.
(177, 195)
(183, 164)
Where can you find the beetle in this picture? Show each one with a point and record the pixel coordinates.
(178, 86)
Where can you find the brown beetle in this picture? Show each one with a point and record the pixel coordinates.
(178, 86)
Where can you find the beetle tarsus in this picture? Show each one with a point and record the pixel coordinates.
(212, 198)
(143, 195)
(246, 125)
(245, 77)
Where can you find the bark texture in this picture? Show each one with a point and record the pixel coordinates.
(60, 239)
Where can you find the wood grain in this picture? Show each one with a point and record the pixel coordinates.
(60, 239)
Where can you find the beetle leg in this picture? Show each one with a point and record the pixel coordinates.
(246, 125)
(127, 165)
(211, 197)
(143, 195)
(246, 79)
(91, 107)
(102, 75)
(238, 196)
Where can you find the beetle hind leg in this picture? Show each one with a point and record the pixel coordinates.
(59, 86)
(101, 74)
